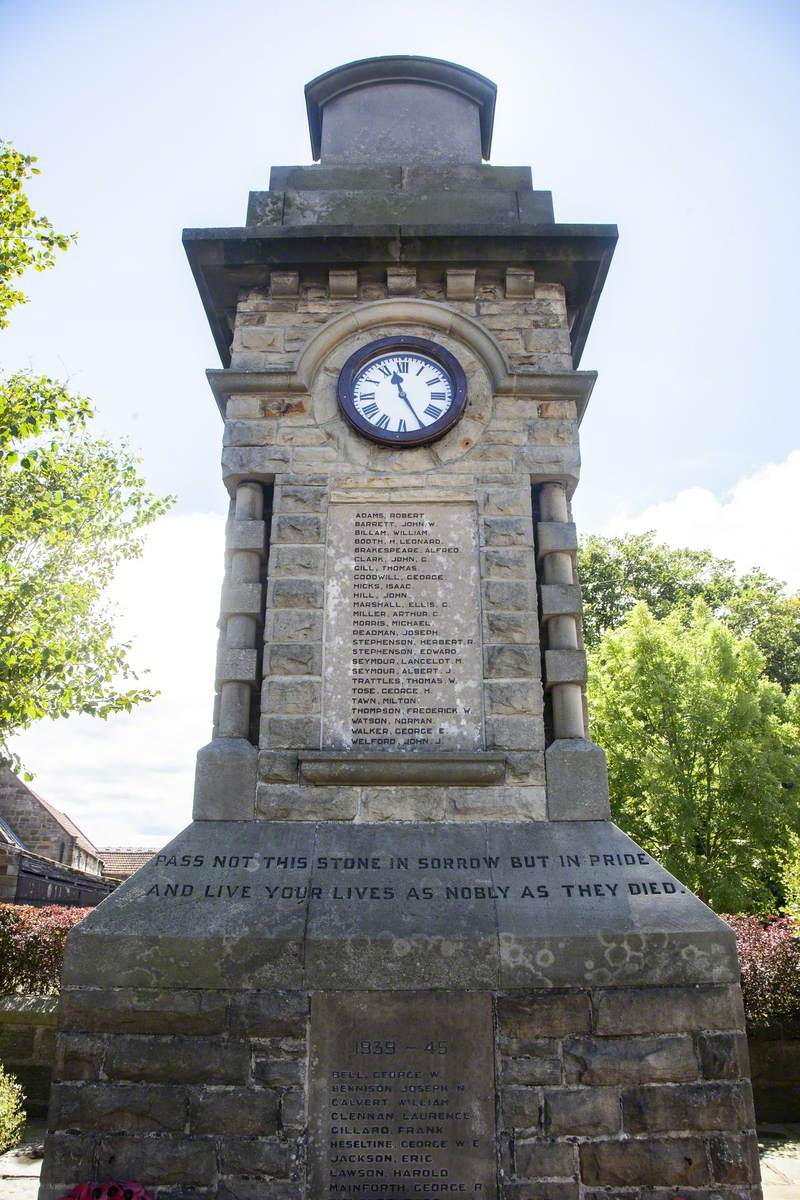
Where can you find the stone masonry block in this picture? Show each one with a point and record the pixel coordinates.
(460, 283)
(723, 1055)
(225, 780)
(69, 1157)
(294, 658)
(298, 528)
(298, 803)
(694, 1106)
(559, 599)
(507, 531)
(142, 1010)
(299, 499)
(170, 1159)
(278, 1072)
(255, 1156)
(294, 625)
(510, 627)
(343, 285)
(507, 563)
(401, 281)
(522, 1107)
(298, 696)
(542, 1189)
(510, 595)
(79, 1056)
(295, 593)
(290, 733)
(597, 1061)
(231, 1110)
(734, 1159)
(668, 1009)
(540, 1159)
(177, 1060)
(534, 1068)
(581, 1111)
(284, 283)
(269, 1014)
(278, 766)
(511, 662)
(556, 537)
(236, 665)
(577, 781)
(564, 666)
(551, 1014)
(520, 283)
(514, 699)
(241, 599)
(514, 733)
(110, 1107)
(245, 535)
(299, 561)
(677, 1162)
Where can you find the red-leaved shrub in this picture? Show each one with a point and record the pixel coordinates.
(769, 957)
(32, 944)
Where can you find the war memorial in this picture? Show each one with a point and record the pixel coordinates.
(402, 952)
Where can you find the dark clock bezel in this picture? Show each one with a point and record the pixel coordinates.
(412, 437)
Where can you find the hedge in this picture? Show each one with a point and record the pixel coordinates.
(769, 957)
(32, 944)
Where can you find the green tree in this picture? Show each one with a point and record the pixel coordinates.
(26, 239)
(72, 507)
(617, 573)
(703, 752)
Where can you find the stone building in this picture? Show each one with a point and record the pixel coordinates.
(402, 951)
(44, 856)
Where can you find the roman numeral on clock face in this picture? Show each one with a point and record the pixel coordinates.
(433, 411)
(401, 426)
(438, 395)
(402, 366)
(383, 421)
(369, 410)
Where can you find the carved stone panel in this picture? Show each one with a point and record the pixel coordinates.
(401, 1095)
(402, 628)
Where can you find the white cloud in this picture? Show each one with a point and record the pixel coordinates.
(755, 523)
(128, 780)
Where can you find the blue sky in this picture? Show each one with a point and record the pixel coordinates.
(678, 121)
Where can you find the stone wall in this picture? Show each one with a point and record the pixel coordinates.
(28, 1044)
(633, 1088)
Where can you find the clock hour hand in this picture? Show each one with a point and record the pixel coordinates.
(398, 383)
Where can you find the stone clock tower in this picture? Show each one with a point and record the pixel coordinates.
(402, 951)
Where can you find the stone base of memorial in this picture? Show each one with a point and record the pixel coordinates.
(281, 1010)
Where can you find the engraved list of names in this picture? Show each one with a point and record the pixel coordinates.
(402, 628)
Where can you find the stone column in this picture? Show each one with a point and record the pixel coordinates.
(225, 781)
(577, 782)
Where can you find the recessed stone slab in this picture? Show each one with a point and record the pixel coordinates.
(396, 1108)
(402, 665)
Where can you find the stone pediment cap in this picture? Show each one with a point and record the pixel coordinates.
(400, 68)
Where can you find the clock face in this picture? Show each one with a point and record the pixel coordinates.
(402, 391)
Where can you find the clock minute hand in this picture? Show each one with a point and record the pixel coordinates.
(398, 383)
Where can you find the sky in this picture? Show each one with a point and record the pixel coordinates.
(678, 121)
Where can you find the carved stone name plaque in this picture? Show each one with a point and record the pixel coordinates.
(401, 1096)
(402, 628)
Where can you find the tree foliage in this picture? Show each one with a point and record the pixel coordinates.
(72, 507)
(703, 752)
(26, 239)
(617, 573)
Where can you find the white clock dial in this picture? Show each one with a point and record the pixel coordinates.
(402, 392)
